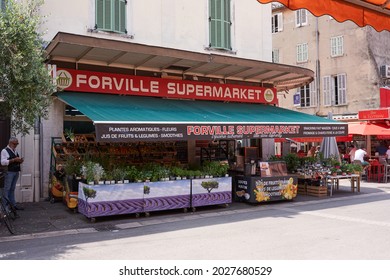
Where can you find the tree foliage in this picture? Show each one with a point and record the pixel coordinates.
(25, 83)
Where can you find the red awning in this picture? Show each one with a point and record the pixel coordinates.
(365, 128)
(375, 13)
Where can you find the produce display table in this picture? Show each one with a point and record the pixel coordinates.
(118, 199)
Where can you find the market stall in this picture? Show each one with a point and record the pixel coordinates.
(165, 126)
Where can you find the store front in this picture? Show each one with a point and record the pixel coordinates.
(206, 103)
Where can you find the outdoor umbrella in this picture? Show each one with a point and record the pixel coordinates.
(329, 148)
(365, 128)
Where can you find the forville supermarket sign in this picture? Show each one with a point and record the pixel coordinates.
(99, 82)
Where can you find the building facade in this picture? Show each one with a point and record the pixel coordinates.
(348, 62)
(239, 29)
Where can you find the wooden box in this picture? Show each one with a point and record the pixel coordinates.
(318, 191)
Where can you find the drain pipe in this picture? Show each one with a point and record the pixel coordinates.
(318, 76)
(37, 156)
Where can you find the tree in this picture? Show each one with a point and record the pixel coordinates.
(25, 82)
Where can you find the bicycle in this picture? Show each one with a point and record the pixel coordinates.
(7, 211)
(5, 217)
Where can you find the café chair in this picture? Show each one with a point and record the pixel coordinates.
(386, 165)
(376, 171)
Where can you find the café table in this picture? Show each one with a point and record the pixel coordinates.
(333, 182)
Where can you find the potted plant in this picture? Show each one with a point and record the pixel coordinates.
(119, 174)
(292, 162)
(72, 168)
(92, 172)
(69, 134)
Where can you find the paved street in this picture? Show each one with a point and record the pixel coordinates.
(345, 226)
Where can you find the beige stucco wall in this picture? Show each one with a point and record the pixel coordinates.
(364, 51)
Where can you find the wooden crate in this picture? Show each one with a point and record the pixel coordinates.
(302, 189)
(318, 191)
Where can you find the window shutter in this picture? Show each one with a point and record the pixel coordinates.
(275, 55)
(303, 17)
(342, 88)
(99, 14)
(302, 53)
(220, 24)
(300, 17)
(280, 22)
(327, 91)
(340, 45)
(120, 18)
(107, 11)
(111, 15)
(226, 39)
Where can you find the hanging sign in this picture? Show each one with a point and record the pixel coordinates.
(99, 82)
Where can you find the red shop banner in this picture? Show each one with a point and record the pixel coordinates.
(99, 82)
(117, 132)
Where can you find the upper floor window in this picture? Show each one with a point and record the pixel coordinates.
(335, 90)
(277, 23)
(275, 56)
(300, 18)
(308, 95)
(111, 15)
(220, 24)
(302, 53)
(337, 46)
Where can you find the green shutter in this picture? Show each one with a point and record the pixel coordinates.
(103, 14)
(120, 16)
(220, 25)
(108, 15)
(111, 15)
(99, 13)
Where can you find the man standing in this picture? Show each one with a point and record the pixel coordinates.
(11, 159)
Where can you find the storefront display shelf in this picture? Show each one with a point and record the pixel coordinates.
(145, 197)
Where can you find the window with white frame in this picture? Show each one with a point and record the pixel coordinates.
(301, 18)
(337, 46)
(277, 23)
(308, 95)
(335, 90)
(110, 15)
(220, 24)
(275, 56)
(302, 53)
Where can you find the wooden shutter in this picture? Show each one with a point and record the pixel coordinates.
(220, 25)
(327, 91)
(342, 89)
(120, 16)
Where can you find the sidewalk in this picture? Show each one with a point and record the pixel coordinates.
(55, 218)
